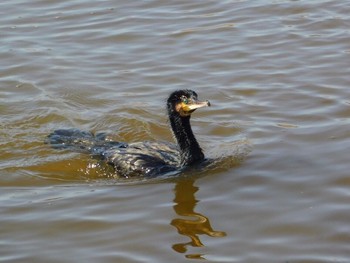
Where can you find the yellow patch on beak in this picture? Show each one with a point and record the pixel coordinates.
(185, 109)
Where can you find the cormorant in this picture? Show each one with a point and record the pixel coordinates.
(144, 158)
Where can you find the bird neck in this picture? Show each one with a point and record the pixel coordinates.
(190, 151)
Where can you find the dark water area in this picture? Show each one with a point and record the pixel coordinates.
(277, 76)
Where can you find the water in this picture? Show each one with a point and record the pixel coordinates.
(276, 73)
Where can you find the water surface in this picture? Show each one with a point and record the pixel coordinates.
(277, 75)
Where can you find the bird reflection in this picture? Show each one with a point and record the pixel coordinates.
(191, 223)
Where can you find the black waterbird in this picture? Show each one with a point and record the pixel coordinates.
(144, 158)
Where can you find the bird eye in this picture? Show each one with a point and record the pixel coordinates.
(184, 99)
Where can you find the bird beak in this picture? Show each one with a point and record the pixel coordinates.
(194, 104)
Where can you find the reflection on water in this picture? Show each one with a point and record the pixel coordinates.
(191, 224)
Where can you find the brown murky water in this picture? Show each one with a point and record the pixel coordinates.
(277, 73)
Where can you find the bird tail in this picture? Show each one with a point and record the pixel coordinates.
(81, 141)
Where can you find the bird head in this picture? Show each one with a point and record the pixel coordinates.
(185, 102)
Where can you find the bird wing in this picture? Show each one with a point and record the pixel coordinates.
(143, 158)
